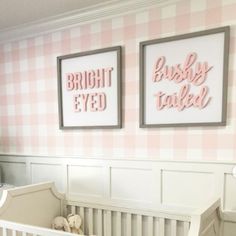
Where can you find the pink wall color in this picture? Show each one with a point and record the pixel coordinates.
(28, 89)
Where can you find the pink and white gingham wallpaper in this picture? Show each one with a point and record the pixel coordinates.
(28, 89)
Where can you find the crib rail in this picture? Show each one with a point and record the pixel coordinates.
(115, 221)
(207, 220)
(8, 228)
(38, 205)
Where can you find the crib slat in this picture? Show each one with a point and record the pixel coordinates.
(90, 220)
(4, 232)
(150, 226)
(128, 224)
(139, 225)
(81, 213)
(118, 223)
(186, 228)
(14, 233)
(173, 225)
(162, 226)
(73, 210)
(99, 223)
(156, 225)
(107, 224)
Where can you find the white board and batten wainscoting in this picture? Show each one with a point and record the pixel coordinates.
(138, 184)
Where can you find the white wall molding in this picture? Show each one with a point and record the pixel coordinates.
(75, 18)
(149, 184)
(9, 156)
(161, 174)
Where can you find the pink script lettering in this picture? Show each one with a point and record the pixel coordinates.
(179, 73)
(184, 99)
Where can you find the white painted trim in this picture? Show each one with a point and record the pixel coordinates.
(217, 169)
(11, 157)
(18, 191)
(75, 18)
(32, 230)
(177, 213)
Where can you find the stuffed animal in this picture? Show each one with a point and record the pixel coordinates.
(60, 223)
(75, 222)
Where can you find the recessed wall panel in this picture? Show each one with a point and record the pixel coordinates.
(85, 181)
(186, 188)
(131, 184)
(47, 172)
(13, 173)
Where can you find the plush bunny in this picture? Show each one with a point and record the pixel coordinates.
(60, 223)
(75, 222)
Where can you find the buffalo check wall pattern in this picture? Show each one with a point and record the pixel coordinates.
(28, 89)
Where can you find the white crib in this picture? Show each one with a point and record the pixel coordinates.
(29, 211)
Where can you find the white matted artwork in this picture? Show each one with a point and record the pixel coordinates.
(89, 87)
(183, 79)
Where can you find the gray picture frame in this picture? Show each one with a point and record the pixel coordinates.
(118, 50)
(142, 79)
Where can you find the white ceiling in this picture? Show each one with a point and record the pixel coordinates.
(16, 12)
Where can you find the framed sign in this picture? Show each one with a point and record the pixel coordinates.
(89, 89)
(183, 79)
